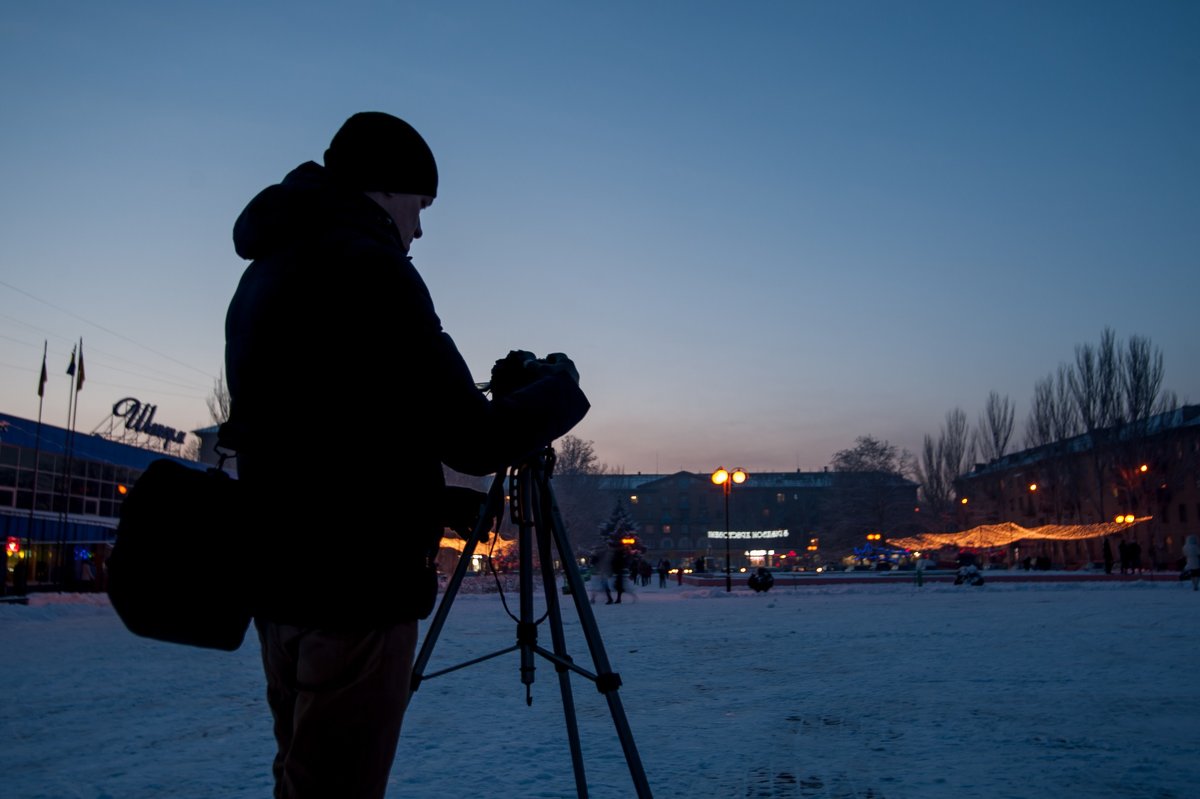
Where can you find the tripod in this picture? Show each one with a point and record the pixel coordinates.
(536, 515)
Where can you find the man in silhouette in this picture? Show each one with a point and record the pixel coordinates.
(347, 397)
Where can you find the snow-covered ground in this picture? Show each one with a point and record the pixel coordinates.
(1009, 690)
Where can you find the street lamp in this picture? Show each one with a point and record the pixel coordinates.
(726, 480)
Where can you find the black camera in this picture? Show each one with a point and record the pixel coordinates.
(520, 368)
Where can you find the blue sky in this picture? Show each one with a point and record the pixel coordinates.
(760, 228)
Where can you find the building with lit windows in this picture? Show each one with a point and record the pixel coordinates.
(60, 500)
(1147, 471)
(776, 519)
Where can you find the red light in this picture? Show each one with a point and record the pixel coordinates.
(13, 546)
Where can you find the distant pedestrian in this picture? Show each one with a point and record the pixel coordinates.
(919, 568)
(664, 568)
(1123, 555)
(622, 581)
(1191, 568)
(1108, 557)
(87, 575)
(601, 571)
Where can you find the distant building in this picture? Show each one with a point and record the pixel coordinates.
(60, 501)
(776, 519)
(1145, 469)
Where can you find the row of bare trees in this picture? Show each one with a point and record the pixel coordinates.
(1110, 392)
(1111, 385)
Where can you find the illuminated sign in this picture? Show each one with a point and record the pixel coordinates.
(139, 417)
(748, 534)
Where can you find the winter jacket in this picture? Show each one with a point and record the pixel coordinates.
(346, 399)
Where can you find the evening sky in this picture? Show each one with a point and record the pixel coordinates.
(761, 229)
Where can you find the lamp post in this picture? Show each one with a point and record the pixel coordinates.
(725, 480)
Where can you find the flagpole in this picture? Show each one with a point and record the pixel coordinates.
(37, 458)
(78, 384)
(64, 512)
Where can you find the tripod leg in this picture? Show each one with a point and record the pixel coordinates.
(607, 681)
(495, 505)
(526, 627)
(554, 614)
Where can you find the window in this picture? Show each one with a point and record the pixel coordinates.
(780, 498)
(666, 529)
(1182, 513)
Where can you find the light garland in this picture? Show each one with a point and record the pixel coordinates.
(1001, 535)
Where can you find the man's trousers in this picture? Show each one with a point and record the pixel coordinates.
(338, 700)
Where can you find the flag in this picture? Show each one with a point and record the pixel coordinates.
(42, 381)
(71, 365)
(79, 377)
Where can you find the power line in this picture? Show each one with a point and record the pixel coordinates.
(104, 329)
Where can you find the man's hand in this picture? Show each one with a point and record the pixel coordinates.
(557, 362)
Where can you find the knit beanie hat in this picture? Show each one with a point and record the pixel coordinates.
(374, 151)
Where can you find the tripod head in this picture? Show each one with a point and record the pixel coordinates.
(538, 466)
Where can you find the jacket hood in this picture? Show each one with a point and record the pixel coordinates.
(305, 207)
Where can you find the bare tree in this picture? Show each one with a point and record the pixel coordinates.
(995, 427)
(958, 452)
(574, 456)
(577, 475)
(869, 454)
(1167, 401)
(1109, 364)
(1134, 447)
(1052, 421)
(1095, 382)
(218, 401)
(936, 493)
(1039, 427)
(870, 491)
(1066, 415)
(943, 462)
(1141, 379)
